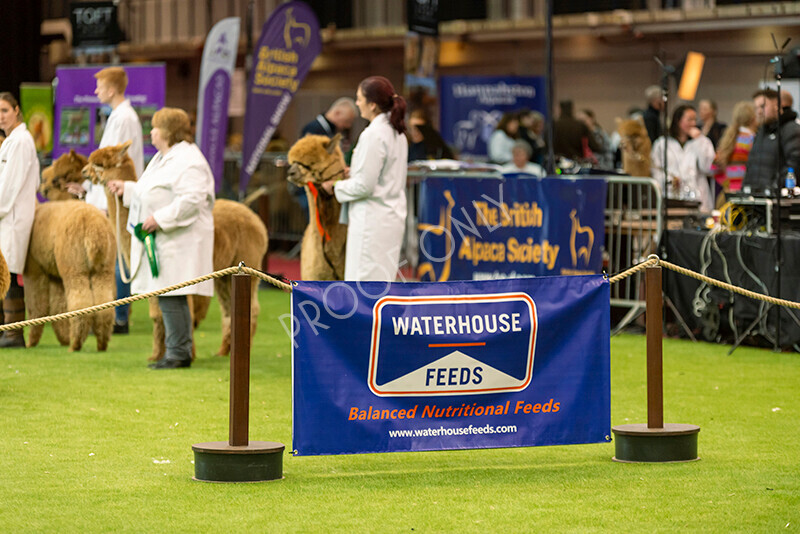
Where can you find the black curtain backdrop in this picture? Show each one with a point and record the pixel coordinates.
(20, 43)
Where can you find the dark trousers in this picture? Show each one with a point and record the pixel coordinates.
(177, 327)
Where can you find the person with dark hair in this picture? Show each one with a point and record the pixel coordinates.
(374, 196)
(531, 130)
(605, 153)
(766, 159)
(502, 139)
(19, 179)
(424, 141)
(690, 156)
(708, 124)
(571, 137)
(173, 199)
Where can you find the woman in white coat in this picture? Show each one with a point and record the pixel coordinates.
(690, 155)
(374, 196)
(19, 179)
(173, 198)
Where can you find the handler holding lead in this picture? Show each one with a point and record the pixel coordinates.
(173, 198)
(374, 197)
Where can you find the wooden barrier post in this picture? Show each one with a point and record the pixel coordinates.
(655, 441)
(655, 368)
(239, 459)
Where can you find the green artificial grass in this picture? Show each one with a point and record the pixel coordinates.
(96, 442)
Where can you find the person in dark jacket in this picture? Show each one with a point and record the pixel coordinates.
(652, 115)
(767, 162)
(708, 123)
(571, 137)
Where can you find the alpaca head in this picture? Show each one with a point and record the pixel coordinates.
(67, 168)
(315, 159)
(107, 159)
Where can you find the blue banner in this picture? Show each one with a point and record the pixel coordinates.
(471, 107)
(287, 47)
(478, 229)
(456, 365)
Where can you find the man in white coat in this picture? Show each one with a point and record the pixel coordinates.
(122, 125)
(19, 179)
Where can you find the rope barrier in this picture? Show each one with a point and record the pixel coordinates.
(651, 260)
(127, 300)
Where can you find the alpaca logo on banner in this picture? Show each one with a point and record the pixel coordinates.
(452, 345)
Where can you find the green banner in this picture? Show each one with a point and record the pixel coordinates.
(36, 100)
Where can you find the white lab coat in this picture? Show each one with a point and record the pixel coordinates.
(691, 163)
(178, 190)
(122, 125)
(19, 180)
(374, 202)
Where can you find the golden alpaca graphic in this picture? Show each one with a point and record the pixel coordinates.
(444, 227)
(586, 251)
(291, 23)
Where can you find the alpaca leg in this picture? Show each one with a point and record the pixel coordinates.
(223, 288)
(200, 306)
(58, 304)
(158, 330)
(36, 299)
(103, 290)
(75, 289)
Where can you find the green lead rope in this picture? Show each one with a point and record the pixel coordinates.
(149, 241)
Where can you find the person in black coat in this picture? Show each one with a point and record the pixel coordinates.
(767, 162)
(708, 124)
(652, 115)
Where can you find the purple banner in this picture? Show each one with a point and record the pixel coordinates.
(80, 117)
(288, 45)
(219, 59)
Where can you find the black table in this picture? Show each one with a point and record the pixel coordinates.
(744, 260)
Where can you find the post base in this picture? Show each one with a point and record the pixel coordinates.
(258, 461)
(672, 443)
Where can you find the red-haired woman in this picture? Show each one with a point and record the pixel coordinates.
(19, 178)
(374, 197)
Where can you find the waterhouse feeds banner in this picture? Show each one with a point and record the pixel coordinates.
(479, 229)
(454, 365)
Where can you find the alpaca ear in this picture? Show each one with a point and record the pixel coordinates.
(618, 121)
(334, 142)
(124, 147)
(640, 120)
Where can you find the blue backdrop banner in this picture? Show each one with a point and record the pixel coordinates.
(478, 229)
(471, 107)
(383, 367)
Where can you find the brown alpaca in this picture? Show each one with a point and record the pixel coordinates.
(635, 146)
(239, 235)
(70, 265)
(67, 168)
(5, 276)
(113, 163)
(315, 159)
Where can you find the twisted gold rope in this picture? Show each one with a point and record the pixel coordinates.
(127, 300)
(651, 260)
